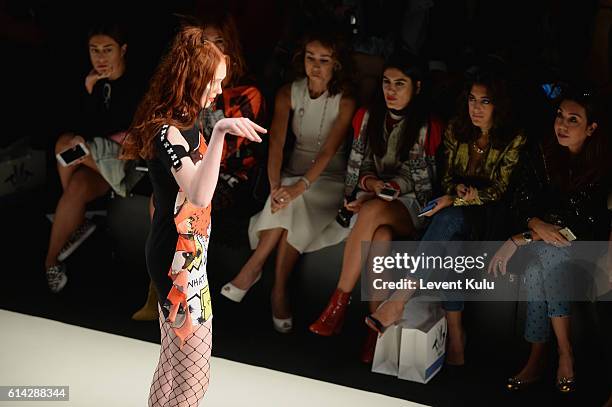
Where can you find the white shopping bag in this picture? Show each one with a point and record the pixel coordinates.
(386, 353)
(414, 349)
(422, 351)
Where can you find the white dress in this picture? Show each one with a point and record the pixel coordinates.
(310, 219)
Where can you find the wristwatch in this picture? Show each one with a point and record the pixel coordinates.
(527, 236)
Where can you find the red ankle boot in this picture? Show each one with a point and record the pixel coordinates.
(369, 346)
(331, 320)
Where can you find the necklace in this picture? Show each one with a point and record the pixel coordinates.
(485, 135)
(485, 148)
(395, 117)
(478, 149)
(302, 112)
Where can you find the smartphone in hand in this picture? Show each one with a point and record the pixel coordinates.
(71, 155)
(567, 234)
(428, 207)
(387, 193)
(343, 217)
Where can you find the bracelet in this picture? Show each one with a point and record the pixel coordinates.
(363, 181)
(305, 181)
(513, 241)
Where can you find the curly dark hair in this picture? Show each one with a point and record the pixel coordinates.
(503, 129)
(336, 41)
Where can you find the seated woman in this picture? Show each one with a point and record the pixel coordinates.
(401, 141)
(241, 98)
(481, 150)
(107, 105)
(240, 158)
(562, 184)
(299, 215)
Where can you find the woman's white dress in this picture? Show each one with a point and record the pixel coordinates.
(310, 218)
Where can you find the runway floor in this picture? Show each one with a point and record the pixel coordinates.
(103, 369)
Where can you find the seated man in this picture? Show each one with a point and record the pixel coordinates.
(104, 113)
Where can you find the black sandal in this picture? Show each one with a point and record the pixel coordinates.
(375, 325)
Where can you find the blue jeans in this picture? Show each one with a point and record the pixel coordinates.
(446, 225)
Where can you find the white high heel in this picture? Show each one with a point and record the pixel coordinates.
(282, 326)
(234, 293)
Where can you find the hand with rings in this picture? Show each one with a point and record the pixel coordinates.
(280, 199)
(501, 257)
(283, 196)
(549, 233)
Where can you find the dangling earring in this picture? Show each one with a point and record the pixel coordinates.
(337, 66)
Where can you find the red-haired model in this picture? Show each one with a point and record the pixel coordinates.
(184, 172)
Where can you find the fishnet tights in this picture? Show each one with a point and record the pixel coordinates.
(182, 376)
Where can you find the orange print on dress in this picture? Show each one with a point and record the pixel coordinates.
(190, 220)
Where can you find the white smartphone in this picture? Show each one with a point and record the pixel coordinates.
(71, 155)
(388, 194)
(568, 234)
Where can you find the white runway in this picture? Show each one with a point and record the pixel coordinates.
(113, 371)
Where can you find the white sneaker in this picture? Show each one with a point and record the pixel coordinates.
(78, 237)
(57, 278)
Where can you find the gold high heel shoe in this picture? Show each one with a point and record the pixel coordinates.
(515, 384)
(566, 384)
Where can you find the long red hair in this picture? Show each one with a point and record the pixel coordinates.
(175, 91)
(225, 23)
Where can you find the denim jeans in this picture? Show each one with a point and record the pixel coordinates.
(447, 225)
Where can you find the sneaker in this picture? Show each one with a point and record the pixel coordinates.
(78, 237)
(56, 277)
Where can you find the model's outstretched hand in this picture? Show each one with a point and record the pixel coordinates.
(241, 127)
